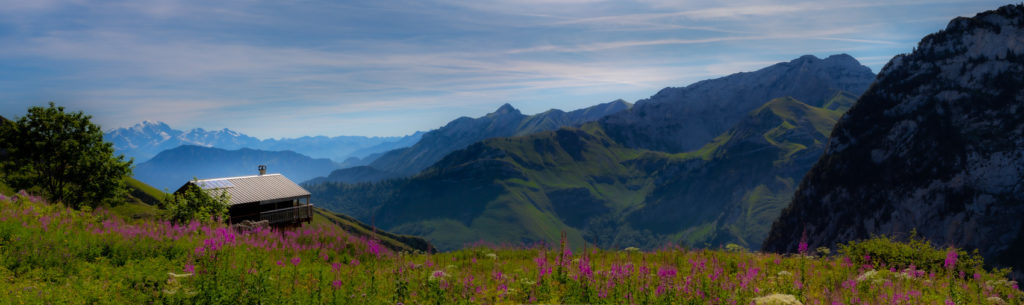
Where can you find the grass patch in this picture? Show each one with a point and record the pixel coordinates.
(51, 254)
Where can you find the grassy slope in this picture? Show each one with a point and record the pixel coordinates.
(141, 202)
(394, 242)
(794, 134)
(144, 192)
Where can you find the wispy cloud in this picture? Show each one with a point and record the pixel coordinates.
(353, 67)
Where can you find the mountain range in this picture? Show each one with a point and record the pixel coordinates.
(598, 185)
(171, 168)
(146, 139)
(506, 121)
(683, 119)
(936, 147)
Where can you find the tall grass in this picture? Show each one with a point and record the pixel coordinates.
(50, 254)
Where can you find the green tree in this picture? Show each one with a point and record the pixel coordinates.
(63, 155)
(193, 202)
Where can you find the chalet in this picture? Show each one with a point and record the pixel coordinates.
(270, 197)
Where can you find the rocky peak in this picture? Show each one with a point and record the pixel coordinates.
(934, 146)
(505, 109)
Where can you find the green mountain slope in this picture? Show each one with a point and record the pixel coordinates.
(744, 179)
(394, 242)
(578, 180)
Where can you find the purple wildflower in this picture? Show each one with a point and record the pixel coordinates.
(950, 259)
(666, 272)
(802, 247)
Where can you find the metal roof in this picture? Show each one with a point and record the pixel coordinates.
(249, 189)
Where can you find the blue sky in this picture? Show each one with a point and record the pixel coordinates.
(384, 68)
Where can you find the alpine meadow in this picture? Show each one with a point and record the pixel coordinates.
(411, 152)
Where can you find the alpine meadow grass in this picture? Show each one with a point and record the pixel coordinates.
(52, 254)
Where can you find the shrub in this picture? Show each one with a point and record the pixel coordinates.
(195, 203)
(882, 250)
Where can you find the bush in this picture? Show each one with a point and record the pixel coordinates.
(882, 250)
(195, 203)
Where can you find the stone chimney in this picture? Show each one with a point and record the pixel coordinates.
(263, 169)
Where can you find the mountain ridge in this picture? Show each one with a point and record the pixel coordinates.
(503, 122)
(678, 119)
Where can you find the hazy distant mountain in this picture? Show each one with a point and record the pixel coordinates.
(146, 139)
(585, 182)
(936, 145)
(172, 168)
(506, 121)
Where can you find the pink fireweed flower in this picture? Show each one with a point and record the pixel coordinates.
(437, 274)
(336, 284)
(585, 270)
(296, 260)
(353, 262)
(336, 267)
(542, 265)
(802, 247)
(373, 247)
(189, 268)
(951, 256)
(666, 272)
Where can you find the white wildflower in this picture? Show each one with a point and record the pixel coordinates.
(777, 299)
(868, 275)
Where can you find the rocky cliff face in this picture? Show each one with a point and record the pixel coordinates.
(936, 145)
(683, 119)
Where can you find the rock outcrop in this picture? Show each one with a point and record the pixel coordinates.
(936, 144)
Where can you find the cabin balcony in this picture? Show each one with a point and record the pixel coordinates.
(293, 215)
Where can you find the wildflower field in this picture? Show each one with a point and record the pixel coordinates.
(52, 254)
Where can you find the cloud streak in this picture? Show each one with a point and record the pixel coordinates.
(353, 68)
